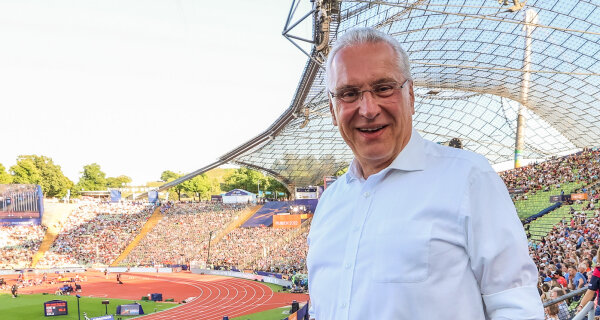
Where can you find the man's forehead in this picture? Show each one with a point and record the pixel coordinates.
(365, 63)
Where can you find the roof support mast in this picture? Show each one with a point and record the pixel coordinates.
(530, 20)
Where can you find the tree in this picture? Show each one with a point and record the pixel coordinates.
(200, 184)
(54, 183)
(168, 175)
(276, 186)
(251, 180)
(117, 182)
(25, 172)
(341, 171)
(5, 178)
(92, 178)
(34, 169)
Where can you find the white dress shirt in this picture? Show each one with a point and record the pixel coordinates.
(433, 236)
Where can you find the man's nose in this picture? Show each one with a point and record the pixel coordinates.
(368, 106)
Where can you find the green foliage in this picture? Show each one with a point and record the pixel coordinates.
(341, 171)
(25, 172)
(251, 180)
(117, 182)
(92, 178)
(199, 184)
(168, 175)
(33, 169)
(5, 178)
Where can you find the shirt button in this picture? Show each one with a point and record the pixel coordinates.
(347, 266)
(355, 228)
(343, 305)
(366, 194)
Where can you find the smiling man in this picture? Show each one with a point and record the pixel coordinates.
(413, 230)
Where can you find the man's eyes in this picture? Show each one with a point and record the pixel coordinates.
(351, 93)
(383, 88)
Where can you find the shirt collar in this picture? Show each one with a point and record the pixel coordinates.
(411, 158)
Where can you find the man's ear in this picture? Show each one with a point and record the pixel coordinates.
(411, 94)
(333, 115)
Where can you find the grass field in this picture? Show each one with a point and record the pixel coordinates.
(273, 314)
(31, 307)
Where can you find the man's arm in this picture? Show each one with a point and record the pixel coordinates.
(498, 253)
(589, 295)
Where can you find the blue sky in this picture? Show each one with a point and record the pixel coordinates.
(141, 86)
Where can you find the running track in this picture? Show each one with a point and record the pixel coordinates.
(213, 296)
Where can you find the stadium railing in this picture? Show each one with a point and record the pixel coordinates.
(586, 313)
(565, 298)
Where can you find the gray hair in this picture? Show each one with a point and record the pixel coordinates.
(357, 36)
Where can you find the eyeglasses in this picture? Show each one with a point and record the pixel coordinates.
(381, 90)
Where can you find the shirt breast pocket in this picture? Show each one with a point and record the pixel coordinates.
(402, 255)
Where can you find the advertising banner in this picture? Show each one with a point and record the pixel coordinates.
(281, 221)
(579, 196)
(555, 198)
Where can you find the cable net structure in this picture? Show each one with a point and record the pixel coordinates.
(475, 64)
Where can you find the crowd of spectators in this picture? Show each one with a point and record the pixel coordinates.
(243, 245)
(567, 255)
(182, 234)
(583, 167)
(18, 244)
(287, 258)
(96, 233)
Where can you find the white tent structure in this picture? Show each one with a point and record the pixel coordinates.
(239, 196)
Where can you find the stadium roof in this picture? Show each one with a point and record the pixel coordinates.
(470, 80)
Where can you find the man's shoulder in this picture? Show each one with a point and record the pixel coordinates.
(333, 187)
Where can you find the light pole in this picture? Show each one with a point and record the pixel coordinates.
(78, 311)
(208, 255)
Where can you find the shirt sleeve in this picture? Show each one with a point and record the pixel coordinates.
(594, 284)
(498, 253)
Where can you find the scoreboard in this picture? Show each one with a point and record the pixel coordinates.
(55, 308)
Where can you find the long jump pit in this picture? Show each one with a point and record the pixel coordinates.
(207, 297)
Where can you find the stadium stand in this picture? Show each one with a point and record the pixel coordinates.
(96, 233)
(182, 235)
(18, 244)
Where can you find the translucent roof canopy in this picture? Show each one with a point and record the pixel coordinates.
(470, 75)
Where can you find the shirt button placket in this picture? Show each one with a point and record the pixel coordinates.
(359, 217)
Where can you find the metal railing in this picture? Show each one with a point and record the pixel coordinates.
(564, 312)
(586, 312)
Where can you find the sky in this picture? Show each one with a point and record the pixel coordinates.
(144, 86)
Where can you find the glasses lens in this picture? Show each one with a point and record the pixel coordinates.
(348, 95)
(384, 90)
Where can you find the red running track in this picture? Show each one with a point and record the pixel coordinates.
(212, 297)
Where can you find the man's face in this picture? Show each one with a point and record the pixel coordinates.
(376, 129)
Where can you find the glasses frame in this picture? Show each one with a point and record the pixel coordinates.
(361, 92)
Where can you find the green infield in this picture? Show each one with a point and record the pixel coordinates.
(31, 306)
(273, 314)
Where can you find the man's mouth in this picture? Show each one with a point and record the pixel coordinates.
(372, 129)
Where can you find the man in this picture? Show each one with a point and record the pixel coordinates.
(14, 289)
(413, 230)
